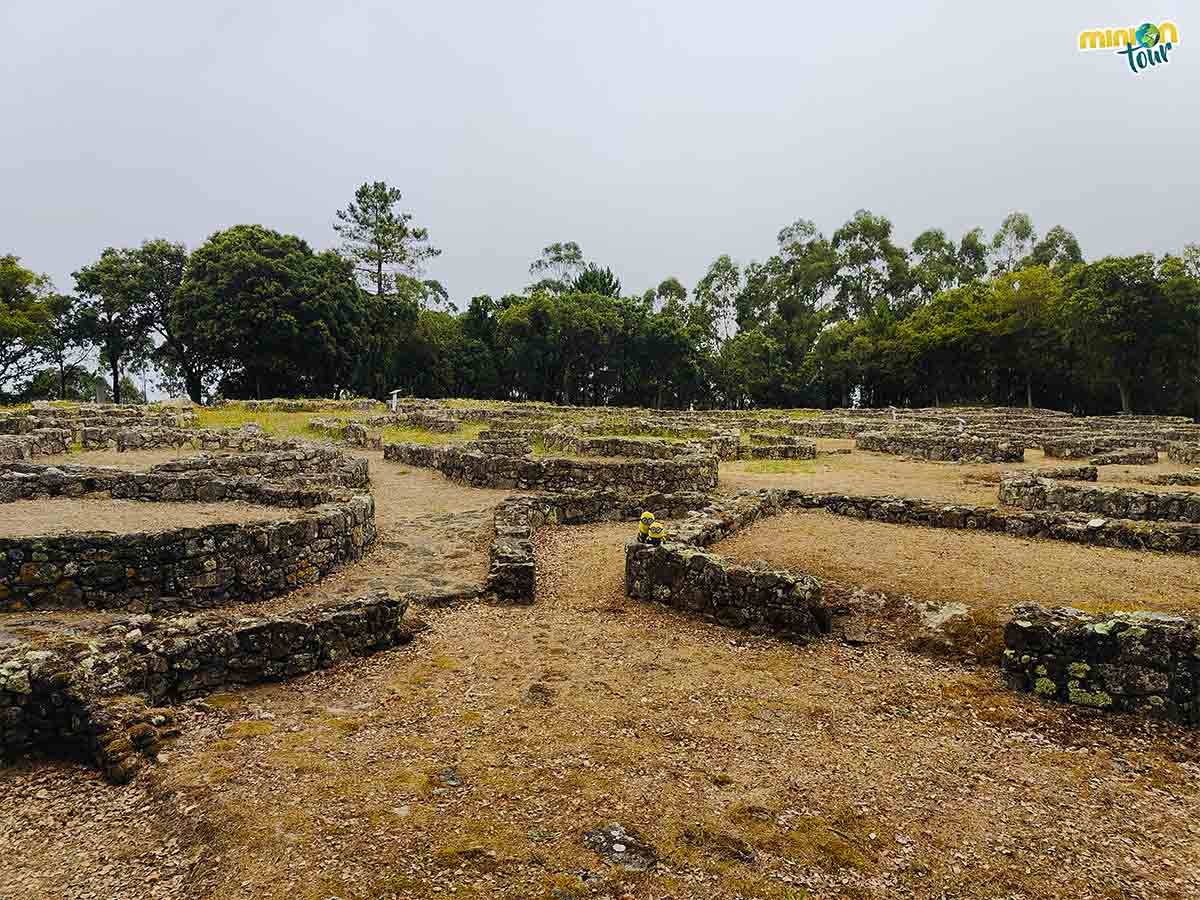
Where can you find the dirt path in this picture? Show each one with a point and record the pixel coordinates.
(990, 571)
(469, 763)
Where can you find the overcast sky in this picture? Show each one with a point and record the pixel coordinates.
(656, 134)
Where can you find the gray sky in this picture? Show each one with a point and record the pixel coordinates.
(657, 135)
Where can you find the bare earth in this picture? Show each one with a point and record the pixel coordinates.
(62, 515)
(879, 473)
(130, 460)
(993, 571)
(470, 763)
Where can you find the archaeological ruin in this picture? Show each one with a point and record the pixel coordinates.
(157, 559)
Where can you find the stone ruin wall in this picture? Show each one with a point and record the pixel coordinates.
(185, 568)
(691, 473)
(97, 699)
(1136, 456)
(941, 447)
(511, 571)
(1189, 454)
(1142, 663)
(1070, 473)
(680, 574)
(1033, 493)
(703, 584)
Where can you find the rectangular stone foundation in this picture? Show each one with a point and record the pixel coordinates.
(1144, 663)
(689, 579)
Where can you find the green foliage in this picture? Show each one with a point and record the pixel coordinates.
(115, 315)
(380, 241)
(63, 342)
(273, 317)
(559, 264)
(23, 313)
(1013, 240)
(595, 280)
(854, 318)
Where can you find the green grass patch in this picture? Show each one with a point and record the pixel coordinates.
(286, 424)
(405, 434)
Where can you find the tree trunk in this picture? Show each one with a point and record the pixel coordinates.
(1029, 390)
(195, 389)
(1123, 387)
(115, 368)
(62, 380)
(566, 385)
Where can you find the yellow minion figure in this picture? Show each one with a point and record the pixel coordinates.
(644, 524)
(658, 533)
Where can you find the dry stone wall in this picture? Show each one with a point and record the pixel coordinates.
(699, 583)
(941, 447)
(1143, 663)
(353, 433)
(1189, 479)
(183, 568)
(39, 442)
(1070, 473)
(1144, 456)
(186, 568)
(680, 574)
(691, 473)
(1031, 492)
(511, 575)
(94, 699)
(1184, 453)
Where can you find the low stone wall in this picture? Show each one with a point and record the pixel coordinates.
(183, 568)
(774, 446)
(511, 575)
(1031, 492)
(689, 579)
(313, 463)
(1188, 454)
(727, 516)
(1070, 473)
(568, 440)
(1143, 663)
(432, 421)
(952, 448)
(38, 442)
(1076, 447)
(691, 473)
(1190, 479)
(248, 438)
(502, 445)
(28, 481)
(1137, 456)
(92, 700)
(302, 404)
(824, 427)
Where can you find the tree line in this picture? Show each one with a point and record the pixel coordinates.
(852, 317)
